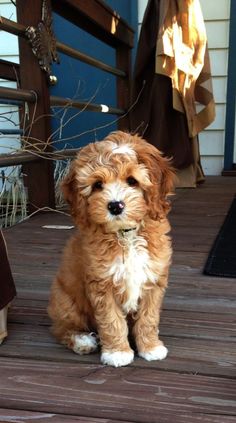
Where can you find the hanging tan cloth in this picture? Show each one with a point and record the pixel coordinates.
(3, 323)
(178, 61)
(182, 55)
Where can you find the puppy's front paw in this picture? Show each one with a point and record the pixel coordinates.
(84, 343)
(117, 358)
(158, 353)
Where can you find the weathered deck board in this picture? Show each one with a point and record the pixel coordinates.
(186, 355)
(97, 391)
(173, 322)
(18, 416)
(43, 381)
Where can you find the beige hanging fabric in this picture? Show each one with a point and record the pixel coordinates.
(172, 87)
(3, 324)
(182, 55)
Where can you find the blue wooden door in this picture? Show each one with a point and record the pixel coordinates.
(77, 80)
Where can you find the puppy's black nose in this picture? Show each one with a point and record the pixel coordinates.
(116, 207)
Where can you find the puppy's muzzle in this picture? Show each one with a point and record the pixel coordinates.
(116, 207)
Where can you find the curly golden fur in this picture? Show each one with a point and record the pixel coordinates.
(114, 271)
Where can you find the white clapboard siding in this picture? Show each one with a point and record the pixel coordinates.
(7, 10)
(9, 119)
(8, 84)
(9, 144)
(8, 44)
(215, 9)
(216, 14)
(9, 115)
(219, 61)
(141, 9)
(219, 88)
(220, 38)
(212, 165)
(212, 141)
(219, 122)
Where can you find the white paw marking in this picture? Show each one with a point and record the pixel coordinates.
(117, 358)
(158, 353)
(84, 343)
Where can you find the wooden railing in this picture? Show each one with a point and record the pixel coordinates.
(96, 18)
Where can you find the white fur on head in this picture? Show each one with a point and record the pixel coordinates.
(123, 149)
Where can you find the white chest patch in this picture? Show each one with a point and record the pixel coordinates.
(133, 269)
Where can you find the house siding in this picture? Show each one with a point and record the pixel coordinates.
(9, 116)
(8, 42)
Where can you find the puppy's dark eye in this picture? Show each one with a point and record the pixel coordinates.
(97, 186)
(131, 181)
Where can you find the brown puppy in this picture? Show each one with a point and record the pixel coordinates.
(114, 270)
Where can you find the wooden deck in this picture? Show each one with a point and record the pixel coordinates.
(43, 381)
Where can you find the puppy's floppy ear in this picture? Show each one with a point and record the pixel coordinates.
(68, 186)
(161, 175)
(72, 195)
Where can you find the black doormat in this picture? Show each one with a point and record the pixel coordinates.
(222, 258)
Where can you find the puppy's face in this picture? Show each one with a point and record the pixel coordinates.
(117, 183)
(115, 189)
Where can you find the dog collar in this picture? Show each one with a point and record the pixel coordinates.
(123, 232)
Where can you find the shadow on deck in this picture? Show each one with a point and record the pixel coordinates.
(43, 381)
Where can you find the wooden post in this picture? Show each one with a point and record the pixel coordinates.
(123, 85)
(39, 175)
